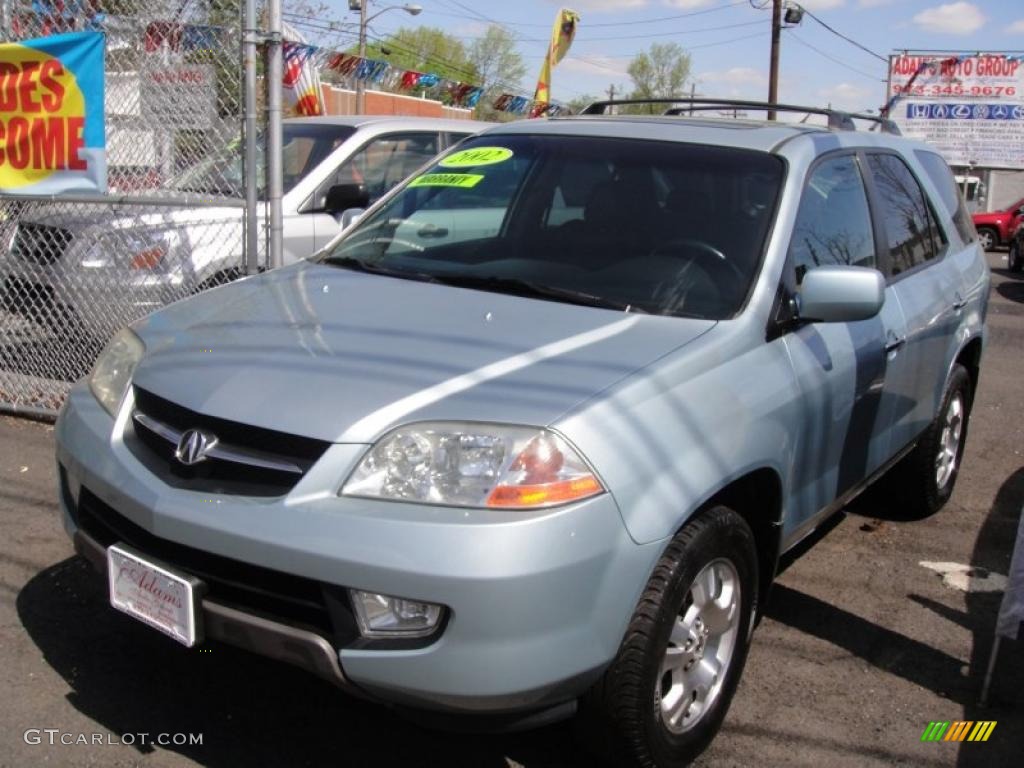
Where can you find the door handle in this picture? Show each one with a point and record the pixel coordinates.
(893, 343)
(432, 230)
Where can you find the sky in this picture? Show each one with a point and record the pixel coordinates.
(728, 40)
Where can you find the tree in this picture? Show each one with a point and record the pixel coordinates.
(660, 73)
(498, 65)
(424, 49)
(576, 105)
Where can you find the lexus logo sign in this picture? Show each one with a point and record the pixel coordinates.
(193, 446)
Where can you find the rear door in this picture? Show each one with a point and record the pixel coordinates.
(929, 288)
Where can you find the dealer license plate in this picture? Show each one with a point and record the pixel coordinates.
(154, 594)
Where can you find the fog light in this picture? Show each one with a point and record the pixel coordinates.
(387, 616)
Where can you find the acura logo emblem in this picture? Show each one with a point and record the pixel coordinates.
(193, 446)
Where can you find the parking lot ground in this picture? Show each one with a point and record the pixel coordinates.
(860, 649)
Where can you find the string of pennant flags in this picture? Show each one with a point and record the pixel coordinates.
(300, 56)
(389, 77)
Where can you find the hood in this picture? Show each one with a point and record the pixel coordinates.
(343, 356)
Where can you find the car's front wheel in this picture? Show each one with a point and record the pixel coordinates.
(668, 689)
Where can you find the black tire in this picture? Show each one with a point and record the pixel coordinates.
(621, 718)
(1014, 262)
(988, 237)
(916, 478)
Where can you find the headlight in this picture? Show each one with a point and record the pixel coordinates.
(113, 370)
(473, 465)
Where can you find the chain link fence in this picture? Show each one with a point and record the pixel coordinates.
(76, 269)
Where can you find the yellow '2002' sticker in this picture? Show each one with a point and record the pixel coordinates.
(461, 180)
(476, 156)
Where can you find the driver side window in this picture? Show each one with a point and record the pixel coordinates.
(833, 224)
(384, 162)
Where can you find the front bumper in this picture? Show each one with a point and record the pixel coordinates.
(538, 602)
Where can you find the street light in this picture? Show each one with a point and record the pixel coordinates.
(410, 8)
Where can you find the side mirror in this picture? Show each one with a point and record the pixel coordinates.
(841, 294)
(341, 197)
(350, 217)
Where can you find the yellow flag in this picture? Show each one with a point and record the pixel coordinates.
(561, 38)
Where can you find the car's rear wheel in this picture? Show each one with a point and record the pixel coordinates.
(668, 689)
(988, 238)
(926, 477)
(1013, 260)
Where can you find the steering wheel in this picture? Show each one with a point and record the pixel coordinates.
(707, 252)
(727, 277)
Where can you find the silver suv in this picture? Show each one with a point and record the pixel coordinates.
(529, 440)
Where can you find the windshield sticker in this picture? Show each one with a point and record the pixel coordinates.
(476, 156)
(461, 180)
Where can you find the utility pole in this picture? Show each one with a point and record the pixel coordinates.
(773, 68)
(611, 97)
(360, 85)
(275, 139)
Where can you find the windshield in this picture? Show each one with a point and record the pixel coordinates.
(305, 146)
(648, 226)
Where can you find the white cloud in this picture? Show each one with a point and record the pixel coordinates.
(1017, 28)
(954, 19)
(873, 3)
(687, 4)
(821, 5)
(848, 96)
(737, 76)
(602, 6)
(595, 65)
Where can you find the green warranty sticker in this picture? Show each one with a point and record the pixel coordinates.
(477, 156)
(461, 180)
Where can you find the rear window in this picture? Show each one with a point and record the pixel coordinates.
(943, 179)
(658, 227)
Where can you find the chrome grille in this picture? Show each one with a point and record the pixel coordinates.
(239, 459)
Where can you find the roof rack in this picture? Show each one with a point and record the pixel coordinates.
(838, 120)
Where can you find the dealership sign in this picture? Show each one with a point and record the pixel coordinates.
(970, 106)
(51, 115)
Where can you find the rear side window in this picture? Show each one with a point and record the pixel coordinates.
(833, 225)
(913, 239)
(949, 191)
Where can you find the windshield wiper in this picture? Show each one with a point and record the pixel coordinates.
(358, 265)
(519, 287)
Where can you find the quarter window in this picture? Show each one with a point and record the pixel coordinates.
(944, 181)
(913, 238)
(833, 225)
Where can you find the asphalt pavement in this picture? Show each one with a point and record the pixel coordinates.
(861, 648)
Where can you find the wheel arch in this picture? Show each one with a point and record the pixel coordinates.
(756, 497)
(969, 357)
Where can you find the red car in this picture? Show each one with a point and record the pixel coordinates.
(996, 227)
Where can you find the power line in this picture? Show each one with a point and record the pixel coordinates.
(589, 25)
(850, 40)
(833, 59)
